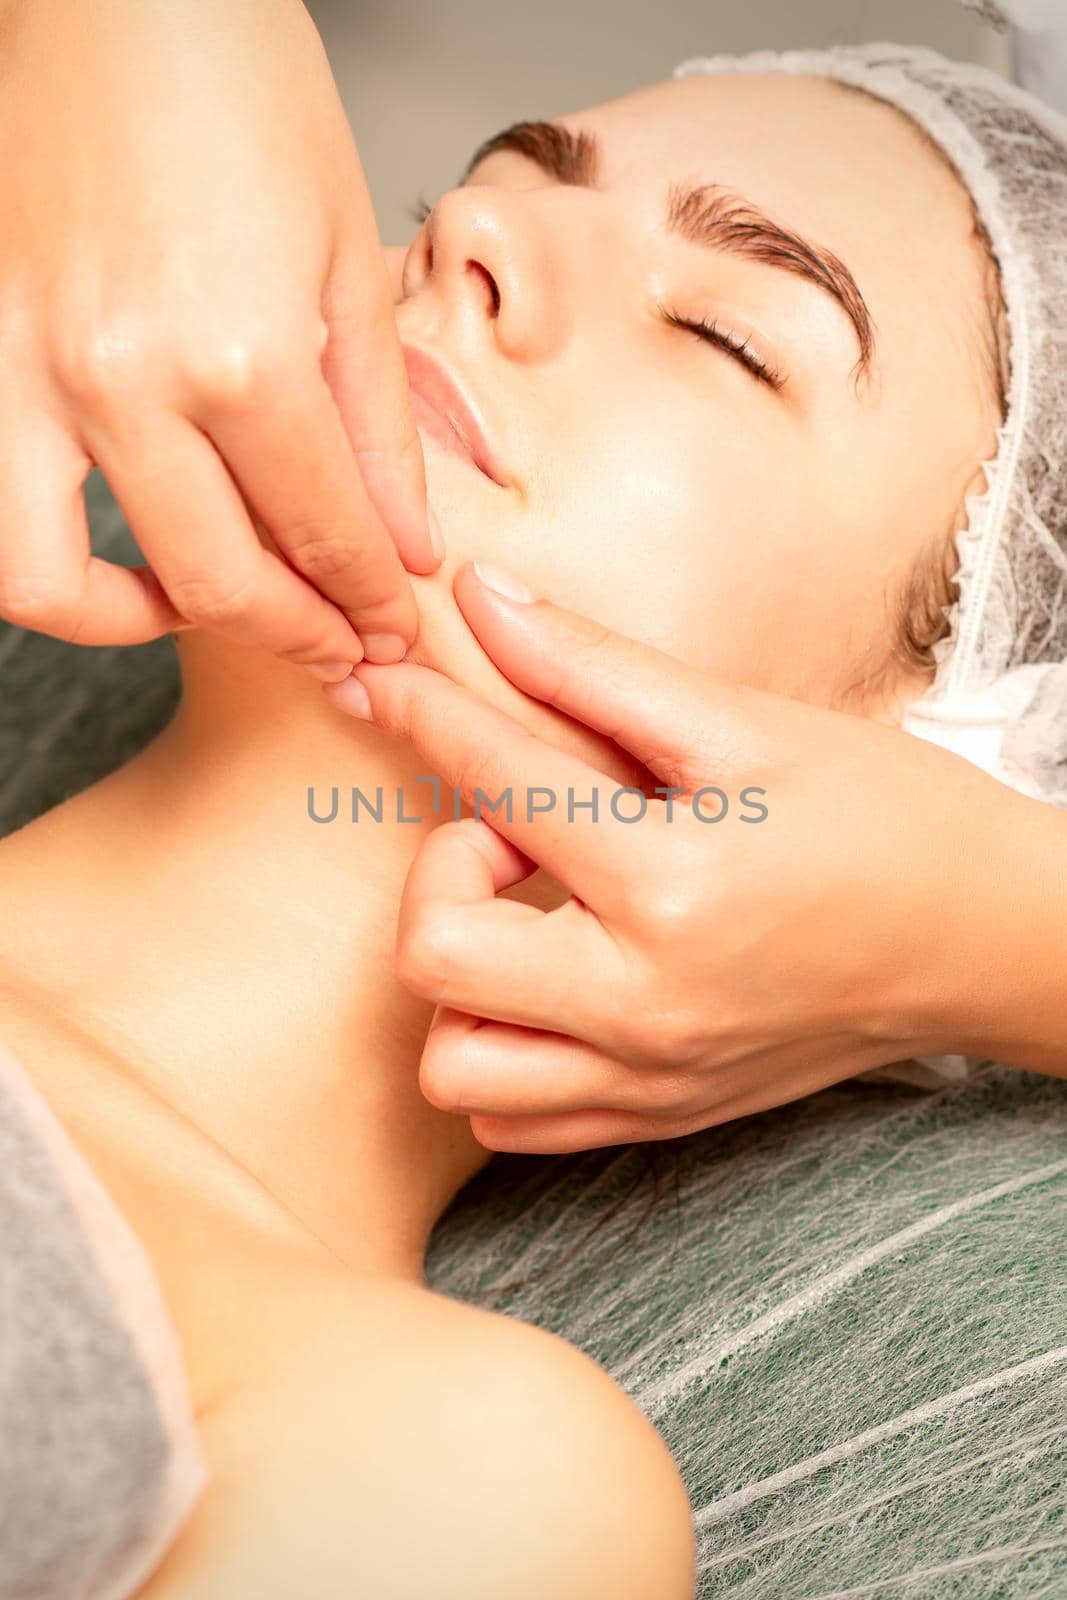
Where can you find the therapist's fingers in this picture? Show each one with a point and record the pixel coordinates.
(688, 727)
(744, 1095)
(290, 455)
(586, 1130)
(50, 581)
(365, 369)
(542, 1070)
(190, 520)
(561, 1136)
(494, 1069)
(459, 945)
(579, 1130)
(485, 755)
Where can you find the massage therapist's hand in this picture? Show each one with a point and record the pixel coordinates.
(893, 900)
(193, 295)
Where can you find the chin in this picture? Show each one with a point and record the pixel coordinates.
(464, 500)
(444, 640)
(446, 644)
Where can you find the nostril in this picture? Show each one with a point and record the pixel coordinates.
(491, 281)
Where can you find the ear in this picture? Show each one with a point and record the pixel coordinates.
(395, 256)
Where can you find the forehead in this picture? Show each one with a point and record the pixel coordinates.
(843, 168)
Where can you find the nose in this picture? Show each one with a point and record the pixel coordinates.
(500, 261)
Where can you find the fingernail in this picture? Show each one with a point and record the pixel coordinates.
(501, 582)
(437, 538)
(329, 671)
(384, 647)
(349, 695)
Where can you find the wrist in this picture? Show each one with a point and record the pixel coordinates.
(998, 976)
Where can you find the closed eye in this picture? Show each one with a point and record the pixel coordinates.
(739, 349)
(710, 332)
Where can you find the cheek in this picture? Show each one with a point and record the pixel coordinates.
(684, 539)
(690, 533)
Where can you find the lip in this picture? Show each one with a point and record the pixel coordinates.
(463, 429)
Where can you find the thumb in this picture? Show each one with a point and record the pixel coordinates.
(686, 725)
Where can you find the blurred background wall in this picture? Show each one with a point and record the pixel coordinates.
(425, 81)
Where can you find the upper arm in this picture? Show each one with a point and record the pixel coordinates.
(488, 1459)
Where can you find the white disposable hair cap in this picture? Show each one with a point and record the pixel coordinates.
(1032, 16)
(999, 693)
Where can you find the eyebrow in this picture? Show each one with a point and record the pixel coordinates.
(709, 215)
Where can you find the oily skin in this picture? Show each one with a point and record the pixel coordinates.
(229, 960)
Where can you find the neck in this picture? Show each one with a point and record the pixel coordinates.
(236, 957)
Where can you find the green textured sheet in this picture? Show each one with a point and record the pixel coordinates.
(847, 1316)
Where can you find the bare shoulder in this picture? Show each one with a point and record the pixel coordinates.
(422, 1446)
(565, 1487)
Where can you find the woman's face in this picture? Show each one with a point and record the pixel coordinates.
(758, 526)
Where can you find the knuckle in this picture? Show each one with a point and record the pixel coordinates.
(671, 908)
(667, 1094)
(111, 362)
(310, 652)
(659, 1028)
(682, 1038)
(215, 600)
(487, 772)
(629, 1032)
(426, 955)
(229, 371)
(36, 602)
(236, 370)
(322, 554)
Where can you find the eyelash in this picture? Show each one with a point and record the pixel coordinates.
(709, 332)
(712, 334)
